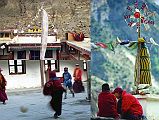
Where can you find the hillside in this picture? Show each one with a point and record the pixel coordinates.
(65, 15)
(107, 23)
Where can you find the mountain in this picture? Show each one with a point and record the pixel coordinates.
(108, 23)
(64, 15)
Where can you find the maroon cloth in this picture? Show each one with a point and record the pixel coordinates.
(78, 87)
(130, 104)
(3, 96)
(55, 90)
(52, 86)
(56, 102)
(52, 74)
(117, 90)
(78, 36)
(48, 88)
(57, 85)
(3, 82)
(107, 105)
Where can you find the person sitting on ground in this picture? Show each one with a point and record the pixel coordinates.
(107, 103)
(130, 106)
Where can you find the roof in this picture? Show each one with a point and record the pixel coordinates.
(7, 31)
(34, 46)
(34, 39)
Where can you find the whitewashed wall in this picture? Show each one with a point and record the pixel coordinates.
(32, 78)
(34, 39)
(150, 105)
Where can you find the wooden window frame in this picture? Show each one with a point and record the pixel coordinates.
(7, 35)
(50, 55)
(15, 65)
(34, 58)
(23, 53)
(49, 63)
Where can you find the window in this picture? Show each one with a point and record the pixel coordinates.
(52, 64)
(34, 55)
(48, 54)
(1, 35)
(17, 66)
(6, 34)
(21, 54)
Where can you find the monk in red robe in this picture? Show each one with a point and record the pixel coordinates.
(78, 85)
(54, 88)
(107, 103)
(3, 82)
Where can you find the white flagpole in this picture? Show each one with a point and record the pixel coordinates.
(44, 34)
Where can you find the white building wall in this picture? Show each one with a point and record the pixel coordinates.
(32, 78)
(150, 105)
(34, 39)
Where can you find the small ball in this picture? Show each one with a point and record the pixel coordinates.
(23, 109)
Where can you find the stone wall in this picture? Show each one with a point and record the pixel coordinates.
(65, 15)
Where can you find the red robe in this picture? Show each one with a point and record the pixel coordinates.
(107, 105)
(3, 82)
(130, 104)
(78, 85)
(77, 74)
(55, 90)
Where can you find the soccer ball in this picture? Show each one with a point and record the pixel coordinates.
(23, 109)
